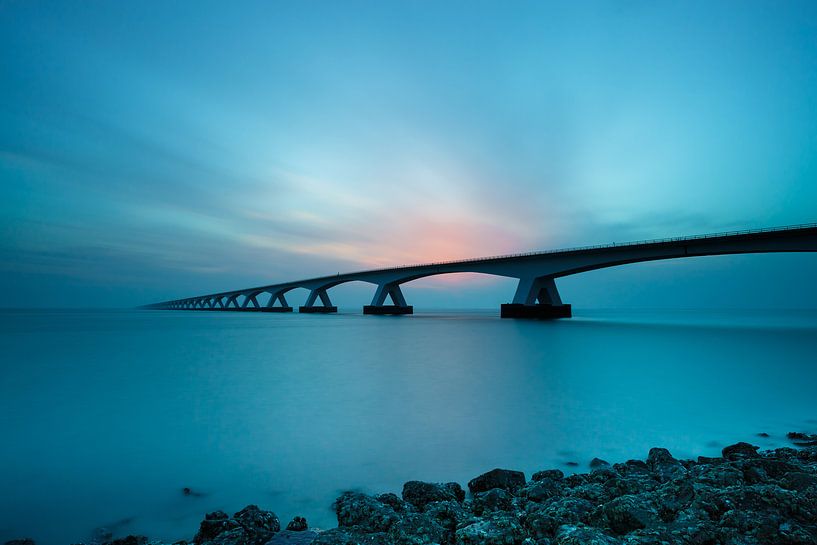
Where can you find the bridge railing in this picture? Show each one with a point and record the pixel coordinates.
(597, 247)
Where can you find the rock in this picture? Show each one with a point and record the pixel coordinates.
(250, 526)
(627, 513)
(129, 540)
(420, 494)
(598, 463)
(354, 509)
(258, 525)
(552, 474)
(495, 499)
(448, 514)
(22, 541)
(763, 434)
(416, 529)
(497, 478)
(661, 463)
(583, 535)
(289, 537)
(213, 525)
(544, 521)
(297, 524)
(739, 450)
(541, 490)
(394, 501)
(495, 529)
(802, 439)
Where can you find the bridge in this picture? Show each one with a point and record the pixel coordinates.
(536, 294)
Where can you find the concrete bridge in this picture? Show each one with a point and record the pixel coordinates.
(536, 295)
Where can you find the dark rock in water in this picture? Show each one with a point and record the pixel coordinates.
(495, 529)
(417, 529)
(289, 537)
(420, 494)
(187, 491)
(544, 521)
(495, 499)
(259, 525)
(394, 501)
(541, 490)
(662, 463)
(129, 540)
(739, 450)
(448, 514)
(505, 479)
(802, 439)
(553, 474)
(627, 513)
(583, 535)
(598, 463)
(214, 524)
(297, 524)
(22, 541)
(354, 509)
(763, 434)
(572, 464)
(250, 526)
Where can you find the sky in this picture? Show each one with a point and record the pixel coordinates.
(155, 150)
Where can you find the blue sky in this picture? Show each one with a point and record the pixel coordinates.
(156, 150)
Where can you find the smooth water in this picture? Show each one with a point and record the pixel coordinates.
(107, 415)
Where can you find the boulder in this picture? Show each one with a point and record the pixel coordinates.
(258, 525)
(129, 540)
(627, 513)
(496, 529)
(582, 535)
(598, 463)
(420, 494)
(662, 464)
(21, 541)
(417, 529)
(505, 479)
(740, 450)
(213, 525)
(552, 474)
(297, 524)
(495, 499)
(366, 513)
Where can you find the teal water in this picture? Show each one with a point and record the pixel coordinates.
(107, 415)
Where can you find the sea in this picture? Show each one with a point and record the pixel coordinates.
(108, 415)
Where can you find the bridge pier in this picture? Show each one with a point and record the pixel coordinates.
(278, 296)
(310, 306)
(391, 290)
(528, 292)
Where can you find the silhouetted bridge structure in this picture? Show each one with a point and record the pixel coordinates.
(536, 295)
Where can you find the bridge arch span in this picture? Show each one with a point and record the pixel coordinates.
(536, 294)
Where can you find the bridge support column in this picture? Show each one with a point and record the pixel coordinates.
(393, 291)
(530, 290)
(314, 295)
(284, 307)
(250, 303)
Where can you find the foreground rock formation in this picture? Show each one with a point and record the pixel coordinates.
(744, 497)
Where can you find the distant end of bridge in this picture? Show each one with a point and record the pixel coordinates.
(536, 294)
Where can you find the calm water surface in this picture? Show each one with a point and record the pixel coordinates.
(106, 415)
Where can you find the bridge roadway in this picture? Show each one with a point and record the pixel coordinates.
(536, 294)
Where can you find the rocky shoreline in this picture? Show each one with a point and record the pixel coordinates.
(744, 497)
